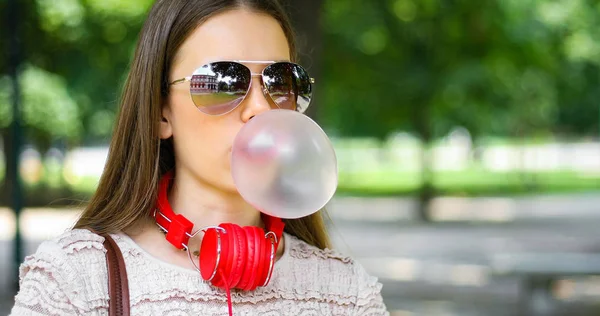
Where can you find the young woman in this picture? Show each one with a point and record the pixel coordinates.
(201, 70)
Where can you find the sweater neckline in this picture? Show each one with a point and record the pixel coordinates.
(191, 271)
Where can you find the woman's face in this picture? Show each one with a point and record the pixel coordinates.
(203, 142)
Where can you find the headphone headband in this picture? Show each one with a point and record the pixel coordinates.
(179, 228)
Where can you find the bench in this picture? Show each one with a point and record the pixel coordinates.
(539, 271)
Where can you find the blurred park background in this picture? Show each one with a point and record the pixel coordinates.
(467, 133)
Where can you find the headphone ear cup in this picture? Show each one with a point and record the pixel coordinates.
(240, 256)
(209, 254)
(267, 261)
(260, 237)
(245, 259)
(250, 270)
(227, 256)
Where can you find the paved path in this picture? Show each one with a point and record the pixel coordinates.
(440, 269)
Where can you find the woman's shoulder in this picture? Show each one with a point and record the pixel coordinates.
(302, 250)
(68, 268)
(71, 246)
(336, 263)
(76, 253)
(73, 240)
(326, 271)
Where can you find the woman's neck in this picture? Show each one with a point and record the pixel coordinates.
(202, 205)
(206, 205)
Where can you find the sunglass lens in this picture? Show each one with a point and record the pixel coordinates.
(217, 88)
(288, 85)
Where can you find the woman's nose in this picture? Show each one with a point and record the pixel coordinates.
(257, 100)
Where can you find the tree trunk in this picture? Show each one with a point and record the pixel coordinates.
(421, 118)
(12, 140)
(5, 186)
(426, 191)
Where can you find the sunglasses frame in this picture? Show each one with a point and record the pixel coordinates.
(265, 91)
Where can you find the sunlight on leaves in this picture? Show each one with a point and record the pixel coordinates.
(58, 13)
(102, 123)
(47, 104)
(557, 13)
(405, 10)
(581, 46)
(373, 41)
(135, 8)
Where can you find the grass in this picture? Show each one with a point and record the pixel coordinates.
(468, 183)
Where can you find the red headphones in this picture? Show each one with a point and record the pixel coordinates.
(230, 256)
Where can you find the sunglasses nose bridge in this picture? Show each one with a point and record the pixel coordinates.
(257, 102)
(264, 89)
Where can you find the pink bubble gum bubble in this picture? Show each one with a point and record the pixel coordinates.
(283, 164)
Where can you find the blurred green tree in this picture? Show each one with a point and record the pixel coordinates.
(512, 68)
(76, 53)
(498, 68)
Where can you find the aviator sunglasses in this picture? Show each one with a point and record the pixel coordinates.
(219, 87)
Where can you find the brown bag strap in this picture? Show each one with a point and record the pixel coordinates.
(118, 288)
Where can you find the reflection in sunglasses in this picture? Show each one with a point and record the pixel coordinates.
(203, 84)
(218, 87)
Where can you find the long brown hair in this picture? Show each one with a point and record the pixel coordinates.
(137, 156)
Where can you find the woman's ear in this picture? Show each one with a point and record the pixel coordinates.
(166, 130)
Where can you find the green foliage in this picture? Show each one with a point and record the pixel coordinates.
(48, 110)
(88, 43)
(498, 68)
(503, 68)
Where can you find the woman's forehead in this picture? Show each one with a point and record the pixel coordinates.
(234, 35)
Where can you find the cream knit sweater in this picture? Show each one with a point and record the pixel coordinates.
(68, 276)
